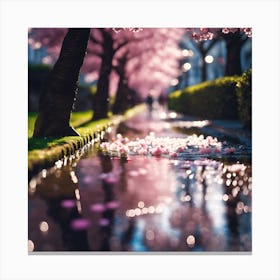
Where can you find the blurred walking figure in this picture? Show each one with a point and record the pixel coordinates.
(149, 102)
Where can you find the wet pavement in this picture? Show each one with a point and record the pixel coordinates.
(158, 183)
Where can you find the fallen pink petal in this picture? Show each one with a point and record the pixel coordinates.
(104, 222)
(68, 203)
(140, 141)
(98, 207)
(112, 204)
(80, 224)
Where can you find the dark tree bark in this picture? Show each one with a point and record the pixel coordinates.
(101, 98)
(56, 102)
(234, 43)
(203, 52)
(203, 63)
(123, 98)
(119, 105)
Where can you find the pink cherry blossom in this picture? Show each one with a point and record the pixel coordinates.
(230, 150)
(180, 150)
(205, 150)
(173, 155)
(157, 151)
(166, 146)
(236, 167)
(68, 203)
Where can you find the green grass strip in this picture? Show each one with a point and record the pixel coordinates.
(44, 152)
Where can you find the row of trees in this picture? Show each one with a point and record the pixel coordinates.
(124, 61)
(235, 38)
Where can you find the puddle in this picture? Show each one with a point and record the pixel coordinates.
(139, 196)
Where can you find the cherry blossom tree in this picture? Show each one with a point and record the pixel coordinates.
(144, 61)
(107, 46)
(118, 48)
(234, 38)
(234, 43)
(203, 47)
(57, 100)
(125, 97)
(147, 62)
(49, 38)
(102, 47)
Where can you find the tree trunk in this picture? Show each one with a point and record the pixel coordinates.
(57, 100)
(101, 98)
(234, 43)
(123, 98)
(203, 52)
(203, 70)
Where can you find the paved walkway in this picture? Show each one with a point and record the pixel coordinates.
(158, 203)
(164, 123)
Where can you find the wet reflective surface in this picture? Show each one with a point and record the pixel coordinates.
(198, 199)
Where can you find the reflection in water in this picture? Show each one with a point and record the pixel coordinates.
(142, 204)
(238, 202)
(126, 238)
(107, 221)
(59, 197)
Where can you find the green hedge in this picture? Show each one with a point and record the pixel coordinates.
(211, 99)
(223, 98)
(244, 97)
